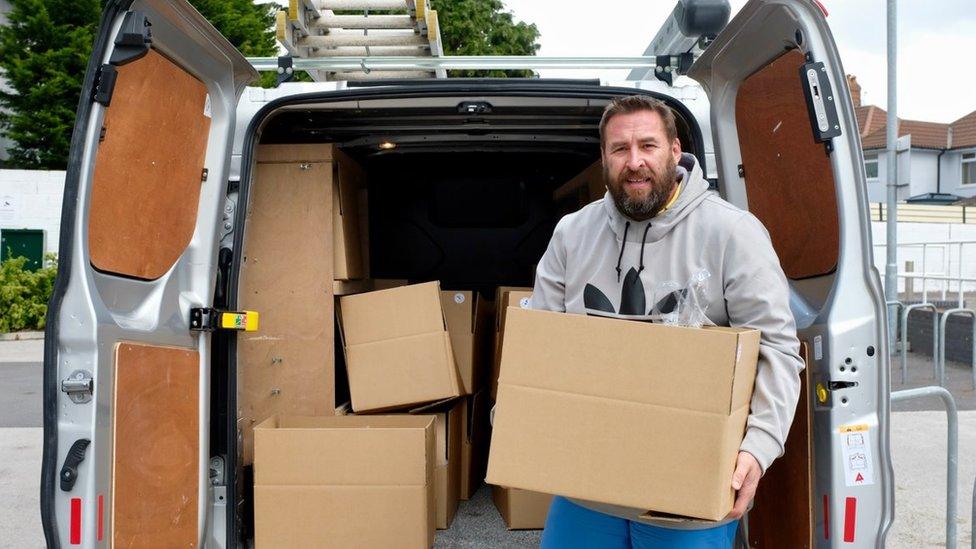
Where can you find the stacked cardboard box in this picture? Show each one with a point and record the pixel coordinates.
(397, 348)
(344, 482)
(672, 400)
(505, 297)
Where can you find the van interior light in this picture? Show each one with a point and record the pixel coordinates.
(387, 145)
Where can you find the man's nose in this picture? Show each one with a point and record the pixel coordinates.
(635, 161)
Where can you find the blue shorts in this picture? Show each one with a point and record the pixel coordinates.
(570, 526)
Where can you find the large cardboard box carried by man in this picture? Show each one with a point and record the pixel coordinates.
(344, 481)
(621, 412)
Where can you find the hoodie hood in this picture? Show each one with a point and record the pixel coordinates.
(693, 190)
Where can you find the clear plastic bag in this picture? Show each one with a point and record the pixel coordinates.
(676, 306)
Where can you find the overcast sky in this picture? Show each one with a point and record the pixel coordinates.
(937, 46)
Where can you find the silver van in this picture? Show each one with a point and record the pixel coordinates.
(148, 402)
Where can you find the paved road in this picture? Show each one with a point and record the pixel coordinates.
(917, 439)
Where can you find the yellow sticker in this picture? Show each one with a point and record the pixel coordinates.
(854, 428)
(247, 321)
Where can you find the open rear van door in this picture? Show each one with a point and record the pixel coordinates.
(787, 149)
(126, 379)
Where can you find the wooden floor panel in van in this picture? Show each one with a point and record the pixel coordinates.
(783, 515)
(287, 367)
(789, 181)
(156, 477)
(148, 169)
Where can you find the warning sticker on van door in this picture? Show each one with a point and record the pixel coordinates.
(857, 455)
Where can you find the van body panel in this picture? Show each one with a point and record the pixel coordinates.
(843, 318)
(92, 311)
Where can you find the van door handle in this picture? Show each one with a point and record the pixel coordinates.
(69, 471)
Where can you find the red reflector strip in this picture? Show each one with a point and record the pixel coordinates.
(75, 521)
(822, 8)
(850, 518)
(101, 517)
(826, 516)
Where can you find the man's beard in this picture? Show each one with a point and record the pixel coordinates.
(637, 208)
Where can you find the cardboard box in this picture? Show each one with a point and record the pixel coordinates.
(521, 509)
(343, 482)
(505, 297)
(468, 323)
(398, 351)
(640, 415)
(474, 445)
(448, 437)
(347, 253)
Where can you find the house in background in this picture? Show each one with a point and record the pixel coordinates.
(934, 159)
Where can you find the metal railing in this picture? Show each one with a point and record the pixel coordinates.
(905, 310)
(952, 254)
(952, 452)
(940, 363)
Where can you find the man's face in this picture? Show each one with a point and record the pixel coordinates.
(639, 163)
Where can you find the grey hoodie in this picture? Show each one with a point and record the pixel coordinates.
(747, 288)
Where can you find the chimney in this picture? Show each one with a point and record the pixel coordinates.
(855, 89)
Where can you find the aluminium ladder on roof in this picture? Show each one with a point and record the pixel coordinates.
(311, 29)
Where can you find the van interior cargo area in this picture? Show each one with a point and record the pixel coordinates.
(458, 190)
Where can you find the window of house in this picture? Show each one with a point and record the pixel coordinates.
(871, 165)
(969, 169)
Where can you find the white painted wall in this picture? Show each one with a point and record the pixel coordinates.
(952, 173)
(31, 199)
(878, 189)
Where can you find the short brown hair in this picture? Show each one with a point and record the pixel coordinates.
(637, 103)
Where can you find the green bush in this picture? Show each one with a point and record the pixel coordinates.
(24, 294)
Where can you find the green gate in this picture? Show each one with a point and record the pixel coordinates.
(27, 243)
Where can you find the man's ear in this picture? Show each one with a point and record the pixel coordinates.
(676, 150)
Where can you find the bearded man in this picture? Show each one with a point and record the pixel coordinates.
(658, 222)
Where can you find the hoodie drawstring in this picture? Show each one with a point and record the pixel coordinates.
(643, 241)
(622, 246)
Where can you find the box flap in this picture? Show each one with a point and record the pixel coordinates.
(343, 450)
(624, 360)
(392, 313)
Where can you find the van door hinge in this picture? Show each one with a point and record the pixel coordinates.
(204, 174)
(105, 85)
(79, 386)
(207, 319)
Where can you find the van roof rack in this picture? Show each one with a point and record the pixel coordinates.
(349, 65)
(455, 81)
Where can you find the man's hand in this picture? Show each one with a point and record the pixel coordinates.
(745, 479)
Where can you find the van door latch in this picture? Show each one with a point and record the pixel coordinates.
(79, 386)
(69, 471)
(208, 319)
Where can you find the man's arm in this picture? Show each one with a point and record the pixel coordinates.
(757, 296)
(549, 292)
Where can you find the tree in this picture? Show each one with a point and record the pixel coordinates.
(44, 52)
(482, 27)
